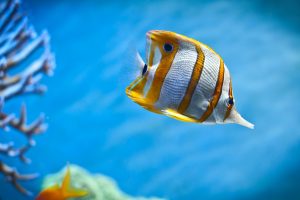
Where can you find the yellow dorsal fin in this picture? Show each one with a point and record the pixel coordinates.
(67, 189)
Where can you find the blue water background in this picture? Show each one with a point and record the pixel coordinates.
(93, 124)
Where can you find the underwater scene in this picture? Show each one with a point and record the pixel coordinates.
(149, 100)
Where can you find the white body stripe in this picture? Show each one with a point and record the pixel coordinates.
(178, 77)
(206, 84)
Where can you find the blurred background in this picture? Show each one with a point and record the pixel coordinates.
(92, 123)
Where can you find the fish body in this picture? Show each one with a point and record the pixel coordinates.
(61, 193)
(186, 80)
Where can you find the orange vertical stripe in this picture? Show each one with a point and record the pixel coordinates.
(193, 81)
(229, 107)
(160, 74)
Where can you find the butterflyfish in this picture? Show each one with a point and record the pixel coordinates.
(63, 192)
(184, 79)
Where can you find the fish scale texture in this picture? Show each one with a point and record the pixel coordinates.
(206, 84)
(178, 77)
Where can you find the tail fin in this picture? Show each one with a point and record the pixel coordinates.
(139, 61)
(68, 191)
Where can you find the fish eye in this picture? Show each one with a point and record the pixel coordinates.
(144, 69)
(230, 101)
(168, 47)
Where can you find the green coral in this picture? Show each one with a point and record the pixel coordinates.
(99, 187)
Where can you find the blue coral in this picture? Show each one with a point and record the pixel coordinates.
(18, 42)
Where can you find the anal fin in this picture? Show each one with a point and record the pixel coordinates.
(176, 115)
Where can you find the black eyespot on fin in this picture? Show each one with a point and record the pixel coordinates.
(144, 69)
(168, 47)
